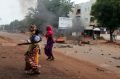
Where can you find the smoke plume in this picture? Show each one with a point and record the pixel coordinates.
(26, 4)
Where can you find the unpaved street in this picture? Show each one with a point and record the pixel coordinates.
(64, 67)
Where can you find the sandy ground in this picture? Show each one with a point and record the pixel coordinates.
(64, 66)
(102, 54)
(107, 36)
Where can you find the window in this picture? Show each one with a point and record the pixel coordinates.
(78, 12)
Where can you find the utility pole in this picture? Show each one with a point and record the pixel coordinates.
(2, 27)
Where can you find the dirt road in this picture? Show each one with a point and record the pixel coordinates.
(64, 67)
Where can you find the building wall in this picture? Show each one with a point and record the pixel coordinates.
(84, 15)
(92, 1)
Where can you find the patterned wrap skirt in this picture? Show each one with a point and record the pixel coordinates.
(32, 57)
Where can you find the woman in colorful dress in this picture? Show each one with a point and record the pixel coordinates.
(50, 42)
(32, 55)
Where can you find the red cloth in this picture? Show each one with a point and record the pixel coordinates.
(49, 31)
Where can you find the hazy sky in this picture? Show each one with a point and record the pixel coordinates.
(80, 1)
(10, 10)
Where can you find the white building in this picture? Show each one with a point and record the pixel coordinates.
(82, 11)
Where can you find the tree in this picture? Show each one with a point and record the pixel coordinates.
(15, 26)
(107, 14)
(46, 12)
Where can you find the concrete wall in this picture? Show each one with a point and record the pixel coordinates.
(82, 19)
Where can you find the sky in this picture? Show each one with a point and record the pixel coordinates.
(10, 10)
(80, 1)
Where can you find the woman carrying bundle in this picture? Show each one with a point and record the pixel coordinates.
(32, 55)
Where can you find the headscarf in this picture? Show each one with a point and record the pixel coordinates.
(49, 30)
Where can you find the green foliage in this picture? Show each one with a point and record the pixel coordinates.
(46, 12)
(107, 13)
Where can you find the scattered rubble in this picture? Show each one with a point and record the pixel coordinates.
(86, 42)
(65, 46)
(66, 70)
(3, 57)
(110, 61)
(102, 54)
(76, 51)
(118, 66)
(90, 49)
(99, 69)
(116, 58)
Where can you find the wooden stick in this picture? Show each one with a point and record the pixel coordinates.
(27, 43)
(24, 44)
